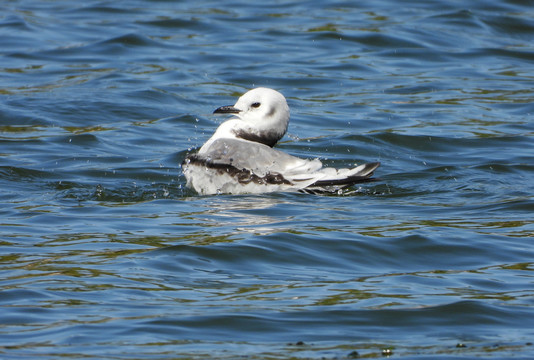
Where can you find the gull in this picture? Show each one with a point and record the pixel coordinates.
(239, 158)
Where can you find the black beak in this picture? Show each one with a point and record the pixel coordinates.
(227, 110)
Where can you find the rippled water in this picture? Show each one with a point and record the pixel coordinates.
(105, 254)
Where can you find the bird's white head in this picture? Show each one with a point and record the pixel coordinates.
(264, 113)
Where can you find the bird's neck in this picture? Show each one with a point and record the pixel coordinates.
(238, 129)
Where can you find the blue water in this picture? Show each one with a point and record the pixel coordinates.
(105, 254)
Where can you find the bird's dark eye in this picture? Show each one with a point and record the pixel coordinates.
(255, 105)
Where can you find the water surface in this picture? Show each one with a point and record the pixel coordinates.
(105, 253)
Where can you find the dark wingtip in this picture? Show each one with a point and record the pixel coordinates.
(374, 165)
(365, 175)
(370, 168)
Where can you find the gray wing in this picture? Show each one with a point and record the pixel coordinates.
(258, 158)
